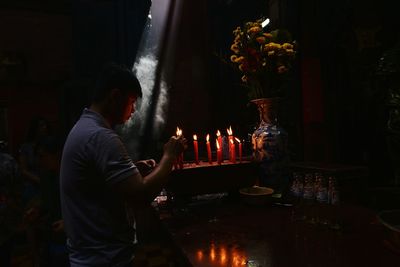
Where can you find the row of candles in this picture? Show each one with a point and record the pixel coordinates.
(232, 140)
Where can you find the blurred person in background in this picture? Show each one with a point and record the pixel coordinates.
(49, 231)
(10, 203)
(38, 128)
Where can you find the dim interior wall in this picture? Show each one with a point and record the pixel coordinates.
(23, 104)
(41, 44)
(41, 40)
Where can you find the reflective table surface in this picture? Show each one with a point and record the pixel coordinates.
(221, 230)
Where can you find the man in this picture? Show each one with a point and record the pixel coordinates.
(99, 182)
(50, 232)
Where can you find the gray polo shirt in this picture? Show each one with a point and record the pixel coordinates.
(98, 225)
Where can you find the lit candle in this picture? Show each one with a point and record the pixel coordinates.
(208, 148)
(233, 152)
(196, 149)
(230, 137)
(219, 152)
(219, 138)
(240, 149)
(180, 157)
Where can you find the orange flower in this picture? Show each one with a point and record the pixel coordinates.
(240, 59)
(267, 35)
(255, 29)
(261, 40)
(282, 69)
(233, 58)
(235, 48)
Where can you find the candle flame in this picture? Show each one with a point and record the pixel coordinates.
(237, 139)
(208, 137)
(178, 132)
(195, 137)
(217, 143)
(218, 133)
(229, 131)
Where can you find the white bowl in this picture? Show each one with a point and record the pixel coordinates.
(256, 195)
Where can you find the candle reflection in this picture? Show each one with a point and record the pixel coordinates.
(221, 256)
(199, 255)
(212, 253)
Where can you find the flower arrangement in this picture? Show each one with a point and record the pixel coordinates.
(264, 58)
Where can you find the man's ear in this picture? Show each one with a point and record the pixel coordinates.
(114, 95)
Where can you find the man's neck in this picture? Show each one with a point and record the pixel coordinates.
(102, 111)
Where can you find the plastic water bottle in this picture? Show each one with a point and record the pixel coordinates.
(296, 190)
(321, 197)
(308, 197)
(334, 201)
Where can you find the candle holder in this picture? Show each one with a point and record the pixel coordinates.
(205, 178)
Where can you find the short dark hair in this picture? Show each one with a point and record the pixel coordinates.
(115, 76)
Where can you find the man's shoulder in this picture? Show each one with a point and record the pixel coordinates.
(88, 128)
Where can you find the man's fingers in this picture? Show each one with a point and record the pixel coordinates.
(151, 163)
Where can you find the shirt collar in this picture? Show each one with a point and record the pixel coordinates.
(88, 113)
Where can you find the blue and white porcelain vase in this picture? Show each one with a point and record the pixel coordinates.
(270, 146)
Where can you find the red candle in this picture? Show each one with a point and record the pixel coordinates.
(240, 149)
(219, 152)
(230, 137)
(208, 148)
(233, 152)
(196, 149)
(219, 138)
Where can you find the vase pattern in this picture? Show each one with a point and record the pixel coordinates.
(270, 146)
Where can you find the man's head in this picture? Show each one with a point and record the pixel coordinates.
(116, 91)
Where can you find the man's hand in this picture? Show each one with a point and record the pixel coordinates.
(175, 146)
(145, 166)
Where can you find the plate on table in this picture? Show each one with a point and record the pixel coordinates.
(256, 195)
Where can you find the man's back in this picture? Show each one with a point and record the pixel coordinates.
(96, 220)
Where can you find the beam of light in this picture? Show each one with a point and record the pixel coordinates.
(145, 69)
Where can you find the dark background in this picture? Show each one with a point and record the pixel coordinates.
(335, 113)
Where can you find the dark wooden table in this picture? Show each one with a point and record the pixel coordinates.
(227, 232)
